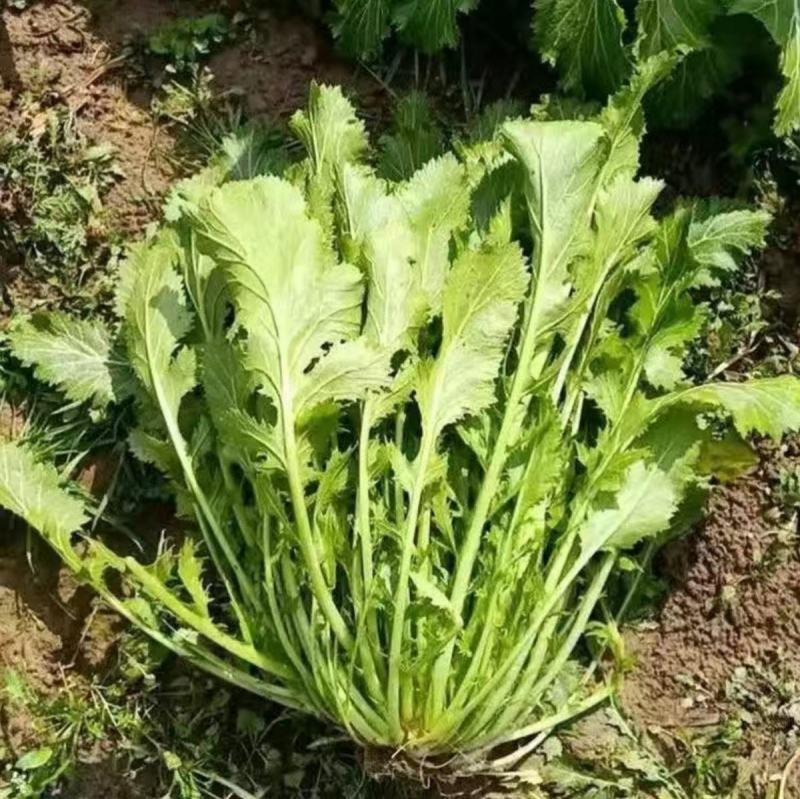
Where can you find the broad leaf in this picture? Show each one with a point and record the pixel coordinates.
(667, 24)
(76, 355)
(362, 25)
(291, 295)
(34, 492)
(480, 307)
(430, 24)
(782, 20)
(768, 406)
(643, 507)
(584, 40)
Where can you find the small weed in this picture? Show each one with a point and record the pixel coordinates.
(788, 490)
(736, 323)
(210, 126)
(65, 727)
(186, 41)
(202, 117)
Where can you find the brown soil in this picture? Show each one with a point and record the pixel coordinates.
(52, 630)
(728, 635)
(65, 52)
(58, 53)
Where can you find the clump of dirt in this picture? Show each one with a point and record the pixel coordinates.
(49, 624)
(780, 266)
(732, 607)
(271, 73)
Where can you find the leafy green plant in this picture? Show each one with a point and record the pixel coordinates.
(588, 42)
(186, 40)
(362, 25)
(412, 425)
(594, 45)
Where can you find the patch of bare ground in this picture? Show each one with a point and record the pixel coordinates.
(51, 629)
(271, 73)
(73, 53)
(726, 642)
(55, 53)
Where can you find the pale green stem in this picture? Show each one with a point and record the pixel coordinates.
(179, 445)
(401, 598)
(241, 616)
(365, 539)
(325, 668)
(548, 723)
(529, 689)
(305, 537)
(277, 614)
(504, 677)
(204, 625)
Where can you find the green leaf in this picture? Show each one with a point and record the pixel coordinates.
(190, 570)
(156, 451)
(389, 251)
(329, 130)
(33, 491)
(332, 136)
(643, 507)
(782, 20)
(156, 321)
(481, 300)
(667, 24)
(76, 355)
(560, 161)
(623, 219)
(584, 41)
(769, 406)
(727, 459)
(429, 25)
(291, 295)
(347, 373)
(435, 201)
(778, 16)
(34, 759)
(720, 237)
(787, 119)
(679, 324)
(361, 26)
(623, 117)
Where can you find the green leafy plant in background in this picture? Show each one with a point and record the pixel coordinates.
(412, 425)
(589, 43)
(186, 40)
(362, 25)
(594, 44)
